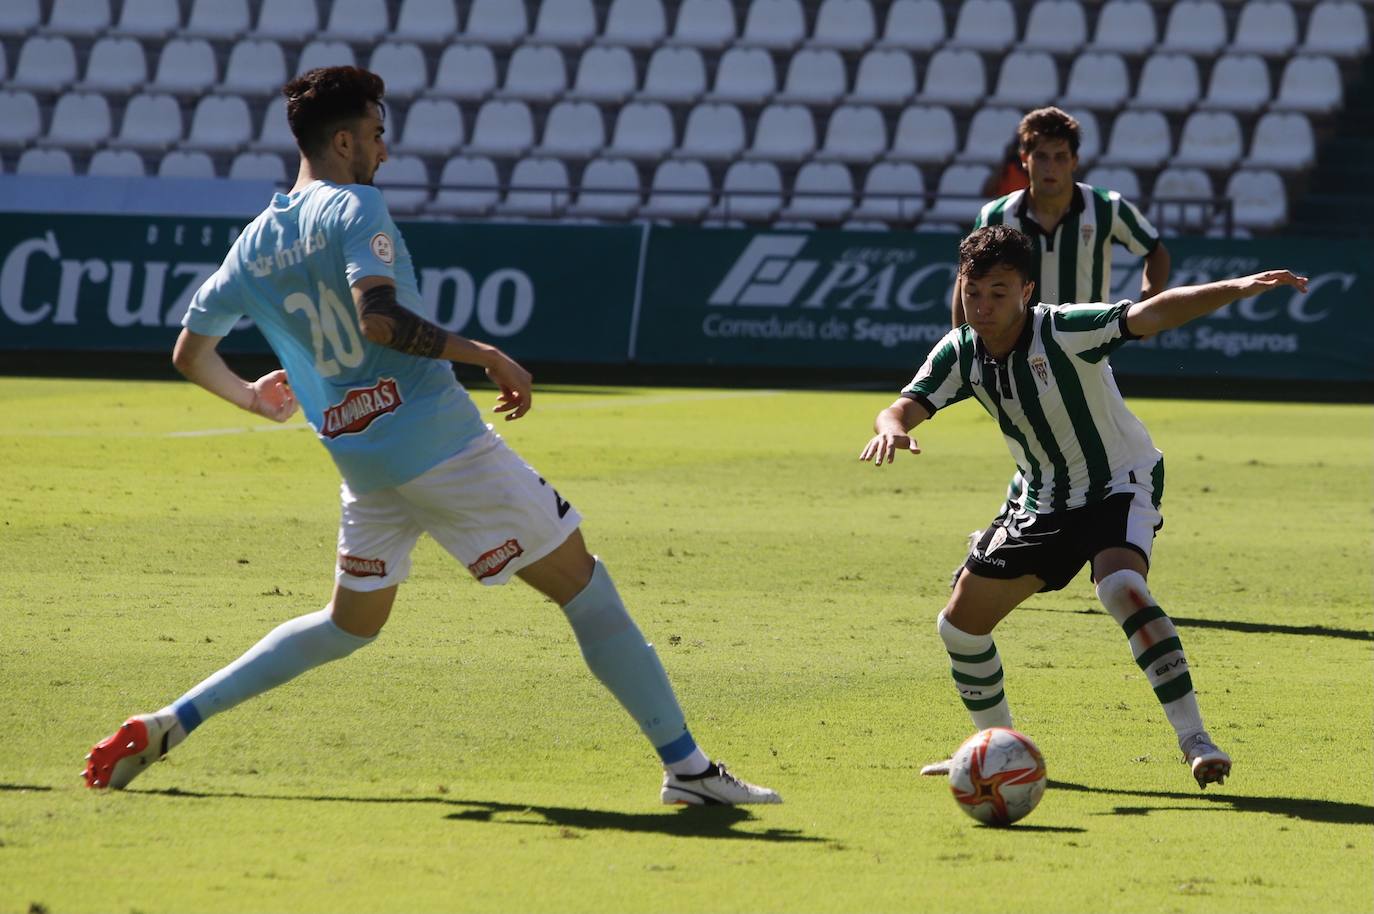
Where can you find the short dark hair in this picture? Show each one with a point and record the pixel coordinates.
(324, 99)
(996, 246)
(1048, 124)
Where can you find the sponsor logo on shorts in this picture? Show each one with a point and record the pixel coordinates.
(360, 407)
(362, 568)
(383, 248)
(490, 563)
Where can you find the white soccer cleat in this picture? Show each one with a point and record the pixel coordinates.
(959, 569)
(715, 786)
(1209, 764)
(937, 769)
(119, 758)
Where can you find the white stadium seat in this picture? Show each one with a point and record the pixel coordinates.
(1028, 79)
(634, 23)
(984, 25)
(566, 23)
(404, 183)
(821, 192)
(433, 127)
(1098, 80)
(643, 130)
(776, 24)
(45, 162)
(115, 65)
(714, 132)
(681, 189)
(44, 65)
(1168, 82)
(116, 163)
(426, 21)
(356, 20)
(1240, 82)
(178, 164)
(1211, 139)
(893, 192)
(573, 130)
(885, 77)
(220, 123)
(708, 24)
(1090, 136)
(744, 75)
(19, 119)
(79, 18)
(275, 134)
(814, 76)
(1195, 27)
(325, 54)
(1055, 25)
(989, 133)
(19, 17)
(1125, 26)
(1122, 180)
(751, 190)
(502, 129)
(609, 190)
(1173, 188)
(960, 194)
(1311, 84)
(222, 20)
(955, 78)
(465, 71)
(80, 120)
(1266, 27)
(538, 188)
(535, 73)
(1258, 198)
(784, 133)
(924, 134)
(468, 186)
(1338, 27)
(186, 67)
(256, 67)
(855, 133)
(1140, 139)
(605, 74)
(288, 20)
(402, 66)
(1282, 141)
(675, 75)
(914, 25)
(844, 25)
(495, 23)
(258, 166)
(153, 122)
(147, 19)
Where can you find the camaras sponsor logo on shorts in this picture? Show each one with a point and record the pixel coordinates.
(362, 568)
(360, 407)
(490, 563)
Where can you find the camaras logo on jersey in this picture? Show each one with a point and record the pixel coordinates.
(360, 407)
(490, 563)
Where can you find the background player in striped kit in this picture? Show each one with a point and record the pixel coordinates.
(1094, 479)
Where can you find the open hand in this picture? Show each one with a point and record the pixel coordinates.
(1271, 279)
(516, 386)
(881, 448)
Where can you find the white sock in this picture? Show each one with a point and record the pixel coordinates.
(977, 671)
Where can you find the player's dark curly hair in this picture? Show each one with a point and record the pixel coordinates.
(1048, 124)
(327, 98)
(996, 246)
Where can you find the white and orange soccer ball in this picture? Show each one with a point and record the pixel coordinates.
(997, 776)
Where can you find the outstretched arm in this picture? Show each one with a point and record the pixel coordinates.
(1176, 307)
(891, 429)
(196, 357)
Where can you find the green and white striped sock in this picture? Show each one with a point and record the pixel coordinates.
(1155, 646)
(977, 671)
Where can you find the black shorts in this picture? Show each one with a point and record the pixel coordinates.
(1055, 547)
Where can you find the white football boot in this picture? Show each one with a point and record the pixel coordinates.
(959, 569)
(119, 758)
(715, 786)
(1209, 764)
(937, 769)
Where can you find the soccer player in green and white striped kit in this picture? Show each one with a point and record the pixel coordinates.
(1094, 479)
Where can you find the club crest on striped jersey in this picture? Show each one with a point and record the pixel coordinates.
(360, 567)
(1041, 366)
(1087, 230)
(360, 407)
(493, 561)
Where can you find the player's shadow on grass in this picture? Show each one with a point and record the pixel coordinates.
(1328, 811)
(1263, 628)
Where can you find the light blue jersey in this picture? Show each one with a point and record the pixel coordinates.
(385, 417)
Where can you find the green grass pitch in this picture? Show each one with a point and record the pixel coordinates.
(467, 761)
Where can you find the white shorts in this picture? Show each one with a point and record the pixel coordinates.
(485, 505)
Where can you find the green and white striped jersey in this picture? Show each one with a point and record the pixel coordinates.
(1054, 396)
(1075, 262)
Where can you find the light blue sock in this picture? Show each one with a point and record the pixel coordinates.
(288, 650)
(617, 654)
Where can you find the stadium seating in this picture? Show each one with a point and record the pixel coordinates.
(1240, 82)
(1259, 199)
(1058, 26)
(1028, 79)
(1125, 26)
(286, 19)
(502, 129)
(609, 190)
(1209, 140)
(221, 123)
(643, 130)
(217, 19)
(1337, 27)
(914, 25)
(955, 78)
(1311, 84)
(1268, 27)
(404, 170)
(750, 191)
(571, 24)
(1122, 180)
(1097, 80)
(1173, 191)
(356, 20)
(186, 67)
(433, 127)
(785, 133)
(79, 18)
(466, 72)
(81, 120)
(892, 192)
(1282, 141)
(153, 122)
(121, 163)
(984, 25)
(821, 192)
(115, 66)
(605, 74)
(674, 75)
(681, 189)
(179, 164)
(885, 77)
(402, 65)
(19, 17)
(1195, 27)
(814, 77)
(45, 64)
(45, 162)
(844, 25)
(988, 135)
(855, 133)
(704, 24)
(258, 166)
(925, 133)
(960, 194)
(256, 67)
(713, 132)
(431, 22)
(535, 72)
(1140, 139)
(20, 122)
(632, 23)
(325, 54)
(744, 75)
(573, 130)
(776, 24)
(468, 186)
(1168, 82)
(538, 188)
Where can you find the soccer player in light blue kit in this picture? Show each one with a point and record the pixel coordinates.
(327, 277)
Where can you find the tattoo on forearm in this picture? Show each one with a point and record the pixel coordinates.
(407, 331)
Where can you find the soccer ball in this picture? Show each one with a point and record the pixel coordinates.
(997, 776)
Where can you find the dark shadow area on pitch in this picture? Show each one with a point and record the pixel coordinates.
(687, 822)
(1327, 811)
(20, 788)
(1018, 827)
(1262, 628)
